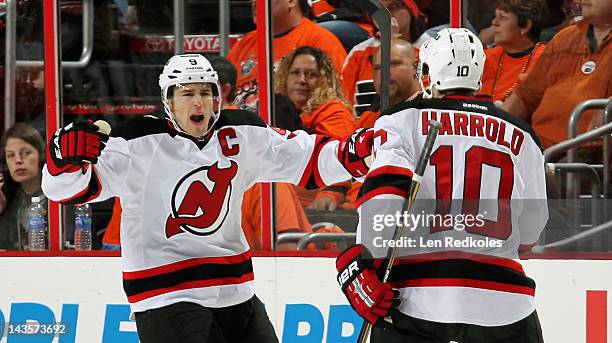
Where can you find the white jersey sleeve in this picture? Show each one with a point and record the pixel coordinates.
(99, 182)
(301, 158)
(534, 214)
(181, 234)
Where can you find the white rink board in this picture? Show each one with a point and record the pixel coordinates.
(301, 296)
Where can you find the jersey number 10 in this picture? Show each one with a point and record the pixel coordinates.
(475, 158)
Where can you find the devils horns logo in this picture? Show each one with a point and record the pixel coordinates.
(202, 197)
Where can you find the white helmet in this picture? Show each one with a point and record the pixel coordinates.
(453, 59)
(184, 69)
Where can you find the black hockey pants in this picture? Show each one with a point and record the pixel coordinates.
(409, 329)
(187, 322)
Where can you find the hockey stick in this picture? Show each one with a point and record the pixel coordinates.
(432, 134)
(381, 16)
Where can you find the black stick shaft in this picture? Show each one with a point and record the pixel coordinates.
(422, 162)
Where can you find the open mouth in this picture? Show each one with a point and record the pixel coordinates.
(197, 118)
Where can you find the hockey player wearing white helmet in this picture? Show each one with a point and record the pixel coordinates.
(449, 291)
(190, 93)
(187, 269)
(452, 61)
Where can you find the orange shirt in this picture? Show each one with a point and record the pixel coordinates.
(112, 233)
(244, 56)
(357, 67)
(289, 213)
(334, 120)
(502, 71)
(367, 120)
(561, 79)
(321, 7)
(331, 119)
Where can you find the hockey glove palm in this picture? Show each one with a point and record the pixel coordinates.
(72, 146)
(368, 296)
(355, 152)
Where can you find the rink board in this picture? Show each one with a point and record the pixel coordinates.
(301, 296)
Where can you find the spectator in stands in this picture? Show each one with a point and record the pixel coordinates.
(308, 77)
(517, 26)
(357, 69)
(403, 86)
(571, 13)
(23, 155)
(291, 29)
(574, 67)
(350, 23)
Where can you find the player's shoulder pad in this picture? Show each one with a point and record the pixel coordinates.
(235, 117)
(140, 127)
(463, 104)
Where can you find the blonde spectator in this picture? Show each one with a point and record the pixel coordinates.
(308, 77)
(291, 28)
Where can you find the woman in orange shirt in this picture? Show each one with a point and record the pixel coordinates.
(517, 26)
(308, 77)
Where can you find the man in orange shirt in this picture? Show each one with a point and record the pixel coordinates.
(573, 68)
(357, 71)
(291, 29)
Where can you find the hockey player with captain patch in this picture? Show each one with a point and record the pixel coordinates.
(482, 156)
(187, 269)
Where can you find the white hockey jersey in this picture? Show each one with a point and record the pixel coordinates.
(486, 159)
(181, 235)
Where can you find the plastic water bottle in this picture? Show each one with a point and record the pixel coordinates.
(82, 227)
(37, 226)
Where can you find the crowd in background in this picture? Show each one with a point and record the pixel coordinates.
(543, 57)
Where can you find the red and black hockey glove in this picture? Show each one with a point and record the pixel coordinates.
(357, 277)
(72, 146)
(355, 152)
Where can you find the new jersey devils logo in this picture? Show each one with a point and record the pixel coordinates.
(200, 200)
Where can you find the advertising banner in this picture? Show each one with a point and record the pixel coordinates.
(79, 299)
